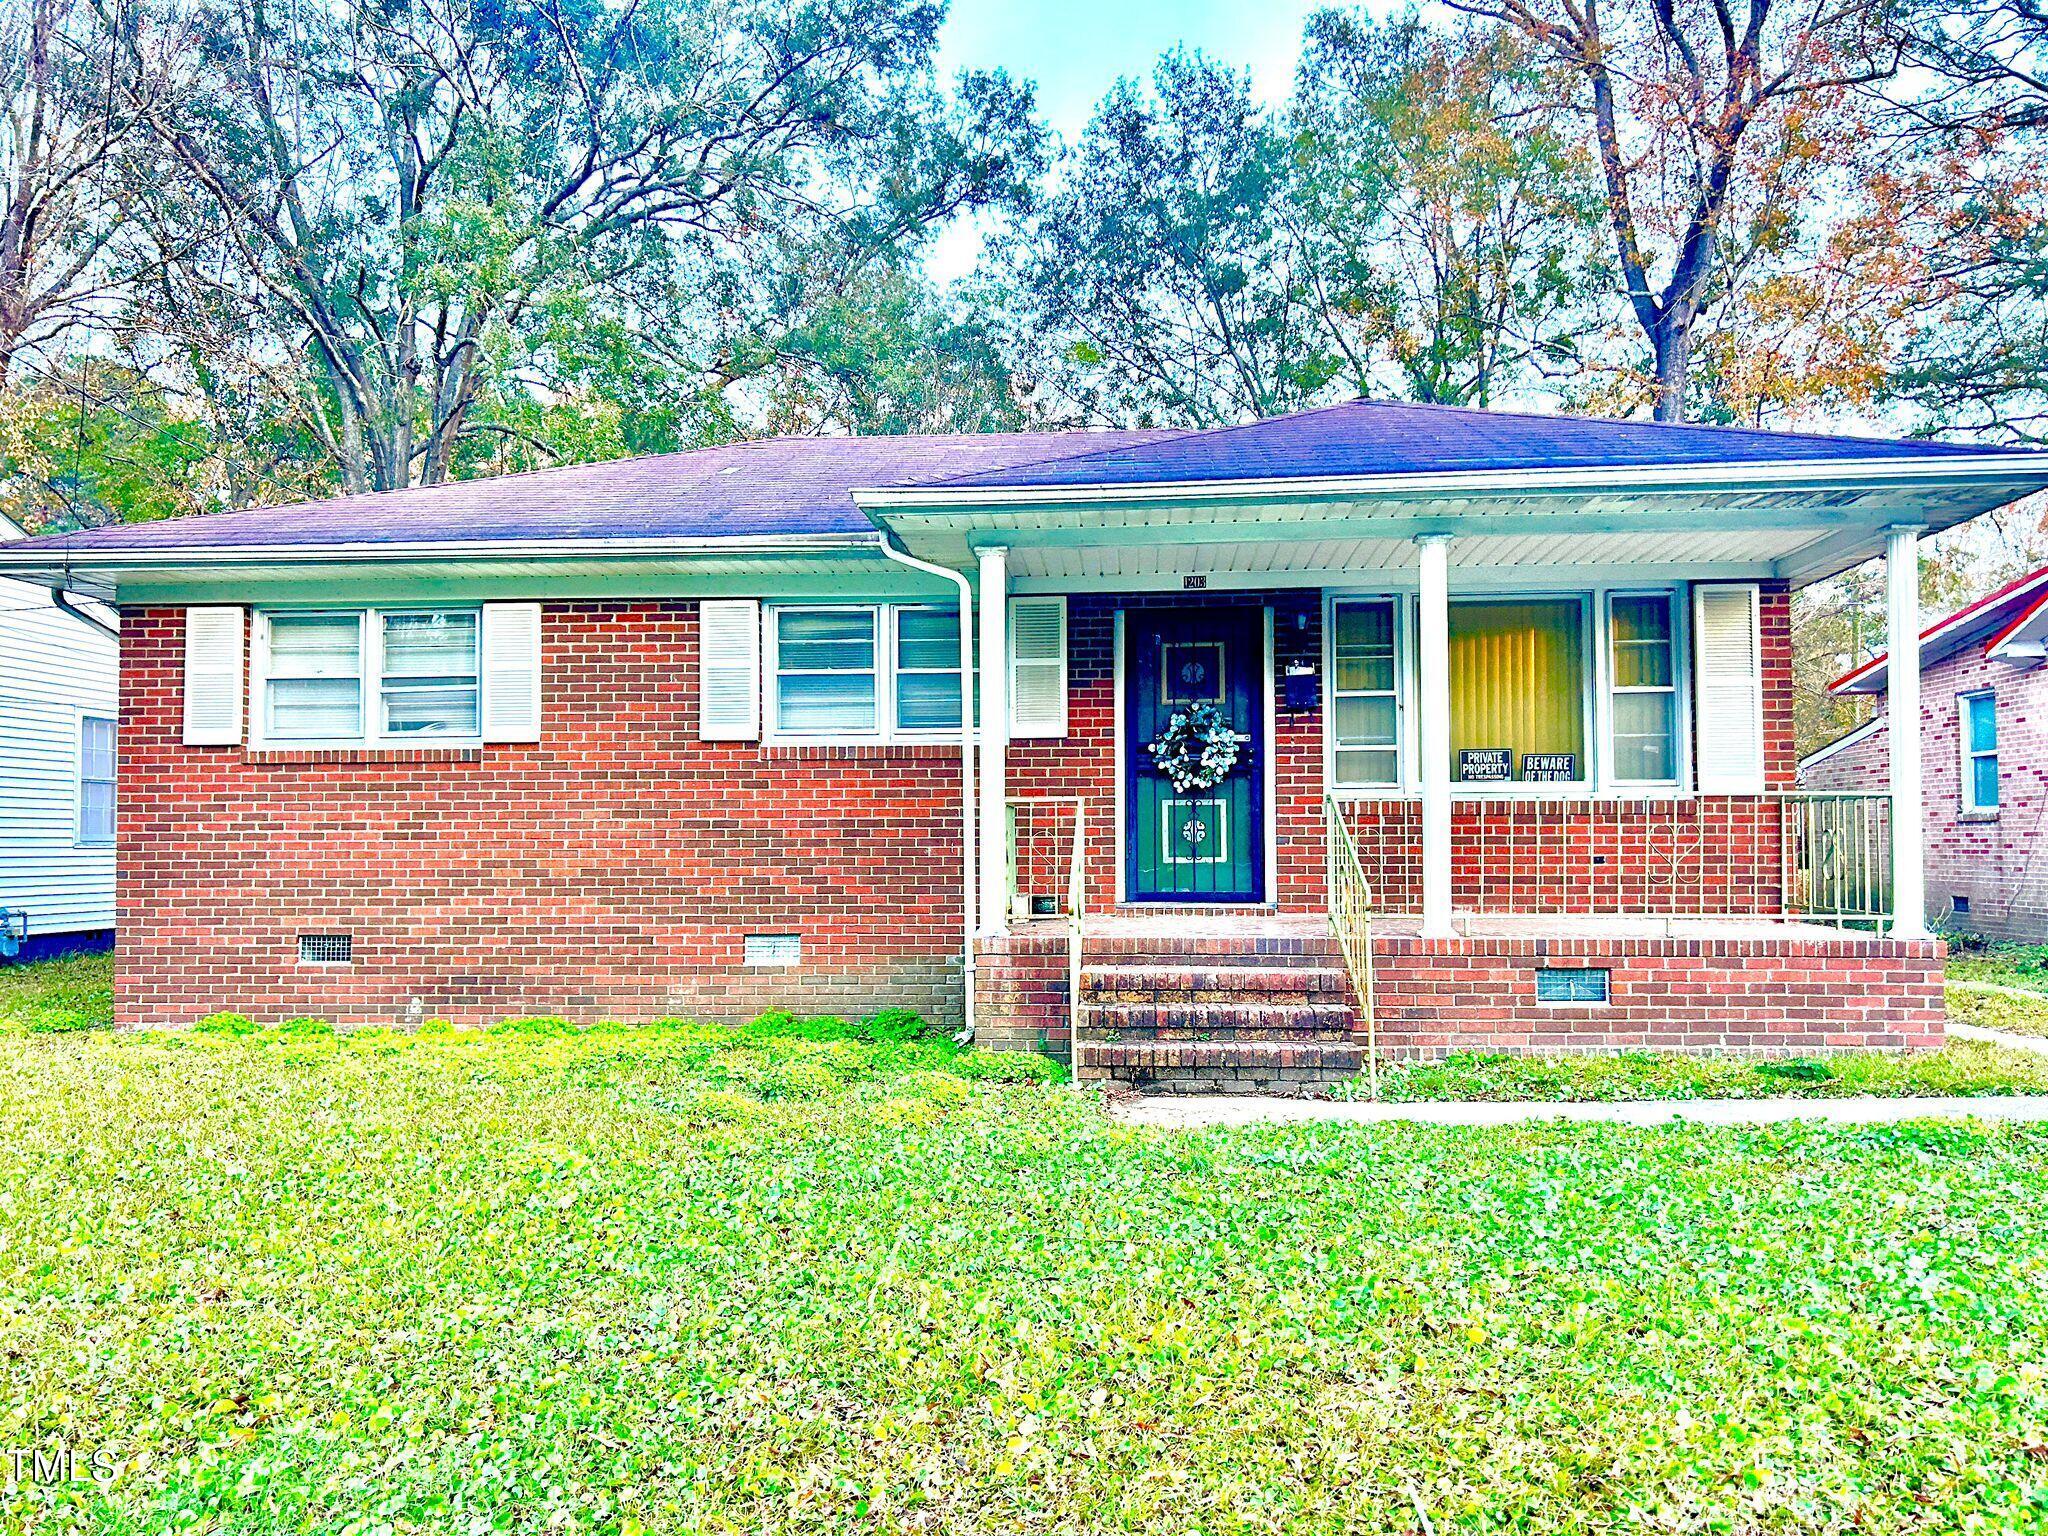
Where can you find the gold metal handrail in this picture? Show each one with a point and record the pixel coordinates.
(1351, 921)
(1023, 810)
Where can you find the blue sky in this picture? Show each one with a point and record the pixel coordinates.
(1075, 49)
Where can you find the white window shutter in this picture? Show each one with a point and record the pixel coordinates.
(729, 669)
(1728, 689)
(511, 667)
(213, 677)
(1038, 666)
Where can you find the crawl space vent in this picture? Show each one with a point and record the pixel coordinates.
(326, 948)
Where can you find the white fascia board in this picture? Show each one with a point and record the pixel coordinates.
(48, 561)
(1843, 742)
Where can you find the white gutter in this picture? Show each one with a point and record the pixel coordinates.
(56, 559)
(1822, 473)
(970, 884)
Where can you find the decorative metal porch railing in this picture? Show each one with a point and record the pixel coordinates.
(1048, 841)
(1351, 921)
(1786, 855)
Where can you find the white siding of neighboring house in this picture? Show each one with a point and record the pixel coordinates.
(53, 668)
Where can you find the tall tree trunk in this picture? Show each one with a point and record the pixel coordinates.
(1671, 343)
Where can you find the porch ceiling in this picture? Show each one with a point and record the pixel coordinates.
(1733, 554)
(1802, 529)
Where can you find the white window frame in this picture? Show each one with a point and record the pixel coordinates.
(371, 682)
(1680, 689)
(1966, 778)
(78, 828)
(1596, 781)
(886, 732)
(1400, 691)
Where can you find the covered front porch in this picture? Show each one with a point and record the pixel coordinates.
(1514, 770)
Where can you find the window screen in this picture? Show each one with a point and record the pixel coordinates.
(1578, 984)
(825, 669)
(1980, 751)
(927, 669)
(1645, 687)
(326, 948)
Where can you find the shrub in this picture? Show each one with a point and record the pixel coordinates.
(63, 1021)
(941, 1088)
(228, 1026)
(1008, 1067)
(894, 1025)
(543, 1028)
(719, 1106)
(437, 1027)
(907, 1114)
(800, 1079)
(304, 1029)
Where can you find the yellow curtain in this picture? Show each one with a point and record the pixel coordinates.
(1517, 679)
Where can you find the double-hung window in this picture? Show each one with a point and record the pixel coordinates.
(927, 671)
(370, 675)
(95, 779)
(430, 680)
(1364, 693)
(313, 677)
(1643, 688)
(873, 671)
(1977, 723)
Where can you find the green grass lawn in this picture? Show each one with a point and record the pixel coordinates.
(1962, 1067)
(687, 1280)
(2008, 965)
(53, 996)
(2011, 1013)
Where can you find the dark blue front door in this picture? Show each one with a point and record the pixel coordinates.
(1201, 844)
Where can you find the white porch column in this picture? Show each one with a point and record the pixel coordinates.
(1902, 705)
(995, 738)
(1433, 732)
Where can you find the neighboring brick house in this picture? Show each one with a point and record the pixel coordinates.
(1984, 754)
(682, 734)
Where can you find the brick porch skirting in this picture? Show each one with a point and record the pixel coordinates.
(1764, 996)
(1768, 996)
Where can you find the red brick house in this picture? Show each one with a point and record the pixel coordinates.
(1984, 756)
(1378, 725)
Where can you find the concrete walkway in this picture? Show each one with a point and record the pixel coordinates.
(2034, 1043)
(1192, 1112)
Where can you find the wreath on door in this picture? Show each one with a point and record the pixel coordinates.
(1197, 749)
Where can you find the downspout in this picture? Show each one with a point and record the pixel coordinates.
(970, 885)
(62, 600)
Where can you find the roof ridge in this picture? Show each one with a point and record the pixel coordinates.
(1728, 428)
(1171, 435)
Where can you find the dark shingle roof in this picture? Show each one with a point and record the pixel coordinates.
(775, 487)
(788, 487)
(1385, 437)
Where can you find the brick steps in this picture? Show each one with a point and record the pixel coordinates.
(1249, 1014)
(1238, 1066)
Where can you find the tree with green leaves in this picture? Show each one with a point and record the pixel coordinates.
(1450, 209)
(1711, 122)
(1161, 281)
(414, 203)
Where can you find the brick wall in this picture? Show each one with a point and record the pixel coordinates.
(1083, 763)
(612, 870)
(1997, 863)
(1766, 995)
